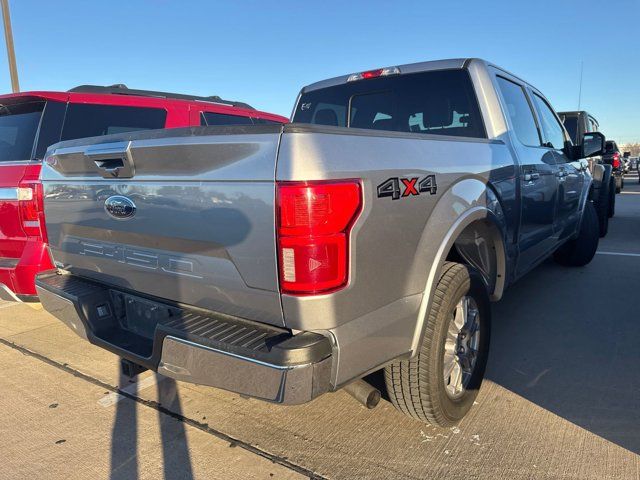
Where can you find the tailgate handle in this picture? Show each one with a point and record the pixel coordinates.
(113, 160)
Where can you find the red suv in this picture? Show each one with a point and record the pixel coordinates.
(31, 121)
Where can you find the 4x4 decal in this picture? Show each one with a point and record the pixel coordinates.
(396, 187)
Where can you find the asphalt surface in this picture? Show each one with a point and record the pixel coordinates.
(560, 400)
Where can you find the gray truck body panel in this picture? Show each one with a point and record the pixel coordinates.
(204, 230)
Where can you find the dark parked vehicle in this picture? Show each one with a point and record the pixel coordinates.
(613, 157)
(603, 189)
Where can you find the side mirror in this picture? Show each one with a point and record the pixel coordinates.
(592, 144)
(626, 154)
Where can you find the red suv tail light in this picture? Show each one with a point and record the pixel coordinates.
(31, 207)
(314, 222)
(615, 163)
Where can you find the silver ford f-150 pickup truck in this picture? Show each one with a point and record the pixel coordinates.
(283, 262)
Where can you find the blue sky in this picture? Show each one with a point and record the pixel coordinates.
(263, 52)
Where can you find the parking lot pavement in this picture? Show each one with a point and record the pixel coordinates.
(54, 426)
(560, 400)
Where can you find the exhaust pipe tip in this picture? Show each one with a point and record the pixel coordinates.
(364, 393)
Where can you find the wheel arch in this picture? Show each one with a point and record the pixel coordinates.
(477, 237)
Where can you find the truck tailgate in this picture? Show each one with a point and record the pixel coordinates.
(185, 215)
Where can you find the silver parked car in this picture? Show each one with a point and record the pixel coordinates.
(372, 232)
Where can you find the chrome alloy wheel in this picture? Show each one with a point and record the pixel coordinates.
(461, 347)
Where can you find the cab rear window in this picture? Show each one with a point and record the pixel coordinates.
(18, 128)
(88, 120)
(440, 102)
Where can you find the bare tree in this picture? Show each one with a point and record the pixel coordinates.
(633, 148)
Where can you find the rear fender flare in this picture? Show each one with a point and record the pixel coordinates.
(466, 202)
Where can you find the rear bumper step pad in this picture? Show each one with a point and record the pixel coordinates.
(206, 348)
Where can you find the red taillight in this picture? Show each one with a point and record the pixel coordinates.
(372, 73)
(615, 163)
(30, 201)
(314, 220)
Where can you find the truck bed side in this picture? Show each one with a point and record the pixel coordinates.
(394, 242)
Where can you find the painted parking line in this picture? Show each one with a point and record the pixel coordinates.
(630, 193)
(620, 254)
(132, 389)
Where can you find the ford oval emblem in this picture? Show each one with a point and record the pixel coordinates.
(120, 207)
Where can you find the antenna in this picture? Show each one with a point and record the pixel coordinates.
(580, 89)
(8, 36)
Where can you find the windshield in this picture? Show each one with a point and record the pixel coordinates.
(439, 102)
(571, 124)
(18, 128)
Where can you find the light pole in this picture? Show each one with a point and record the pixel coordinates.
(8, 35)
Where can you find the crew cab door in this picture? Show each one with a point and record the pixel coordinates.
(570, 174)
(538, 176)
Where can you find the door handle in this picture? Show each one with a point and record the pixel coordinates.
(113, 160)
(561, 173)
(531, 176)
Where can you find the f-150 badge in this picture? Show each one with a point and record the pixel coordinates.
(396, 187)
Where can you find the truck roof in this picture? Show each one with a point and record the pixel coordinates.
(453, 63)
(121, 89)
(446, 64)
(117, 95)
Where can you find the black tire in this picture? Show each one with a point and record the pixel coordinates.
(612, 198)
(622, 183)
(602, 208)
(618, 188)
(581, 250)
(416, 387)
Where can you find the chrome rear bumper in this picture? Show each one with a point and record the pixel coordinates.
(200, 347)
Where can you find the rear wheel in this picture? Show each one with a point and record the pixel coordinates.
(581, 250)
(439, 385)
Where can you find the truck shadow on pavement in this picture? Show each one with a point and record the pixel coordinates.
(567, 340)
(124, 436)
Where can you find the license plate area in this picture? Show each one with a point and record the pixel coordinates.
(138, 315)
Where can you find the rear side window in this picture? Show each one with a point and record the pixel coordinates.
(519, 111)
(441, 102)
(212, 118)
(88, 120)
(18, 128)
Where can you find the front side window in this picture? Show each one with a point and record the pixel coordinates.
(519, 111)
(441, 102)
(92, 120)
(551, 128)
(18, 129)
